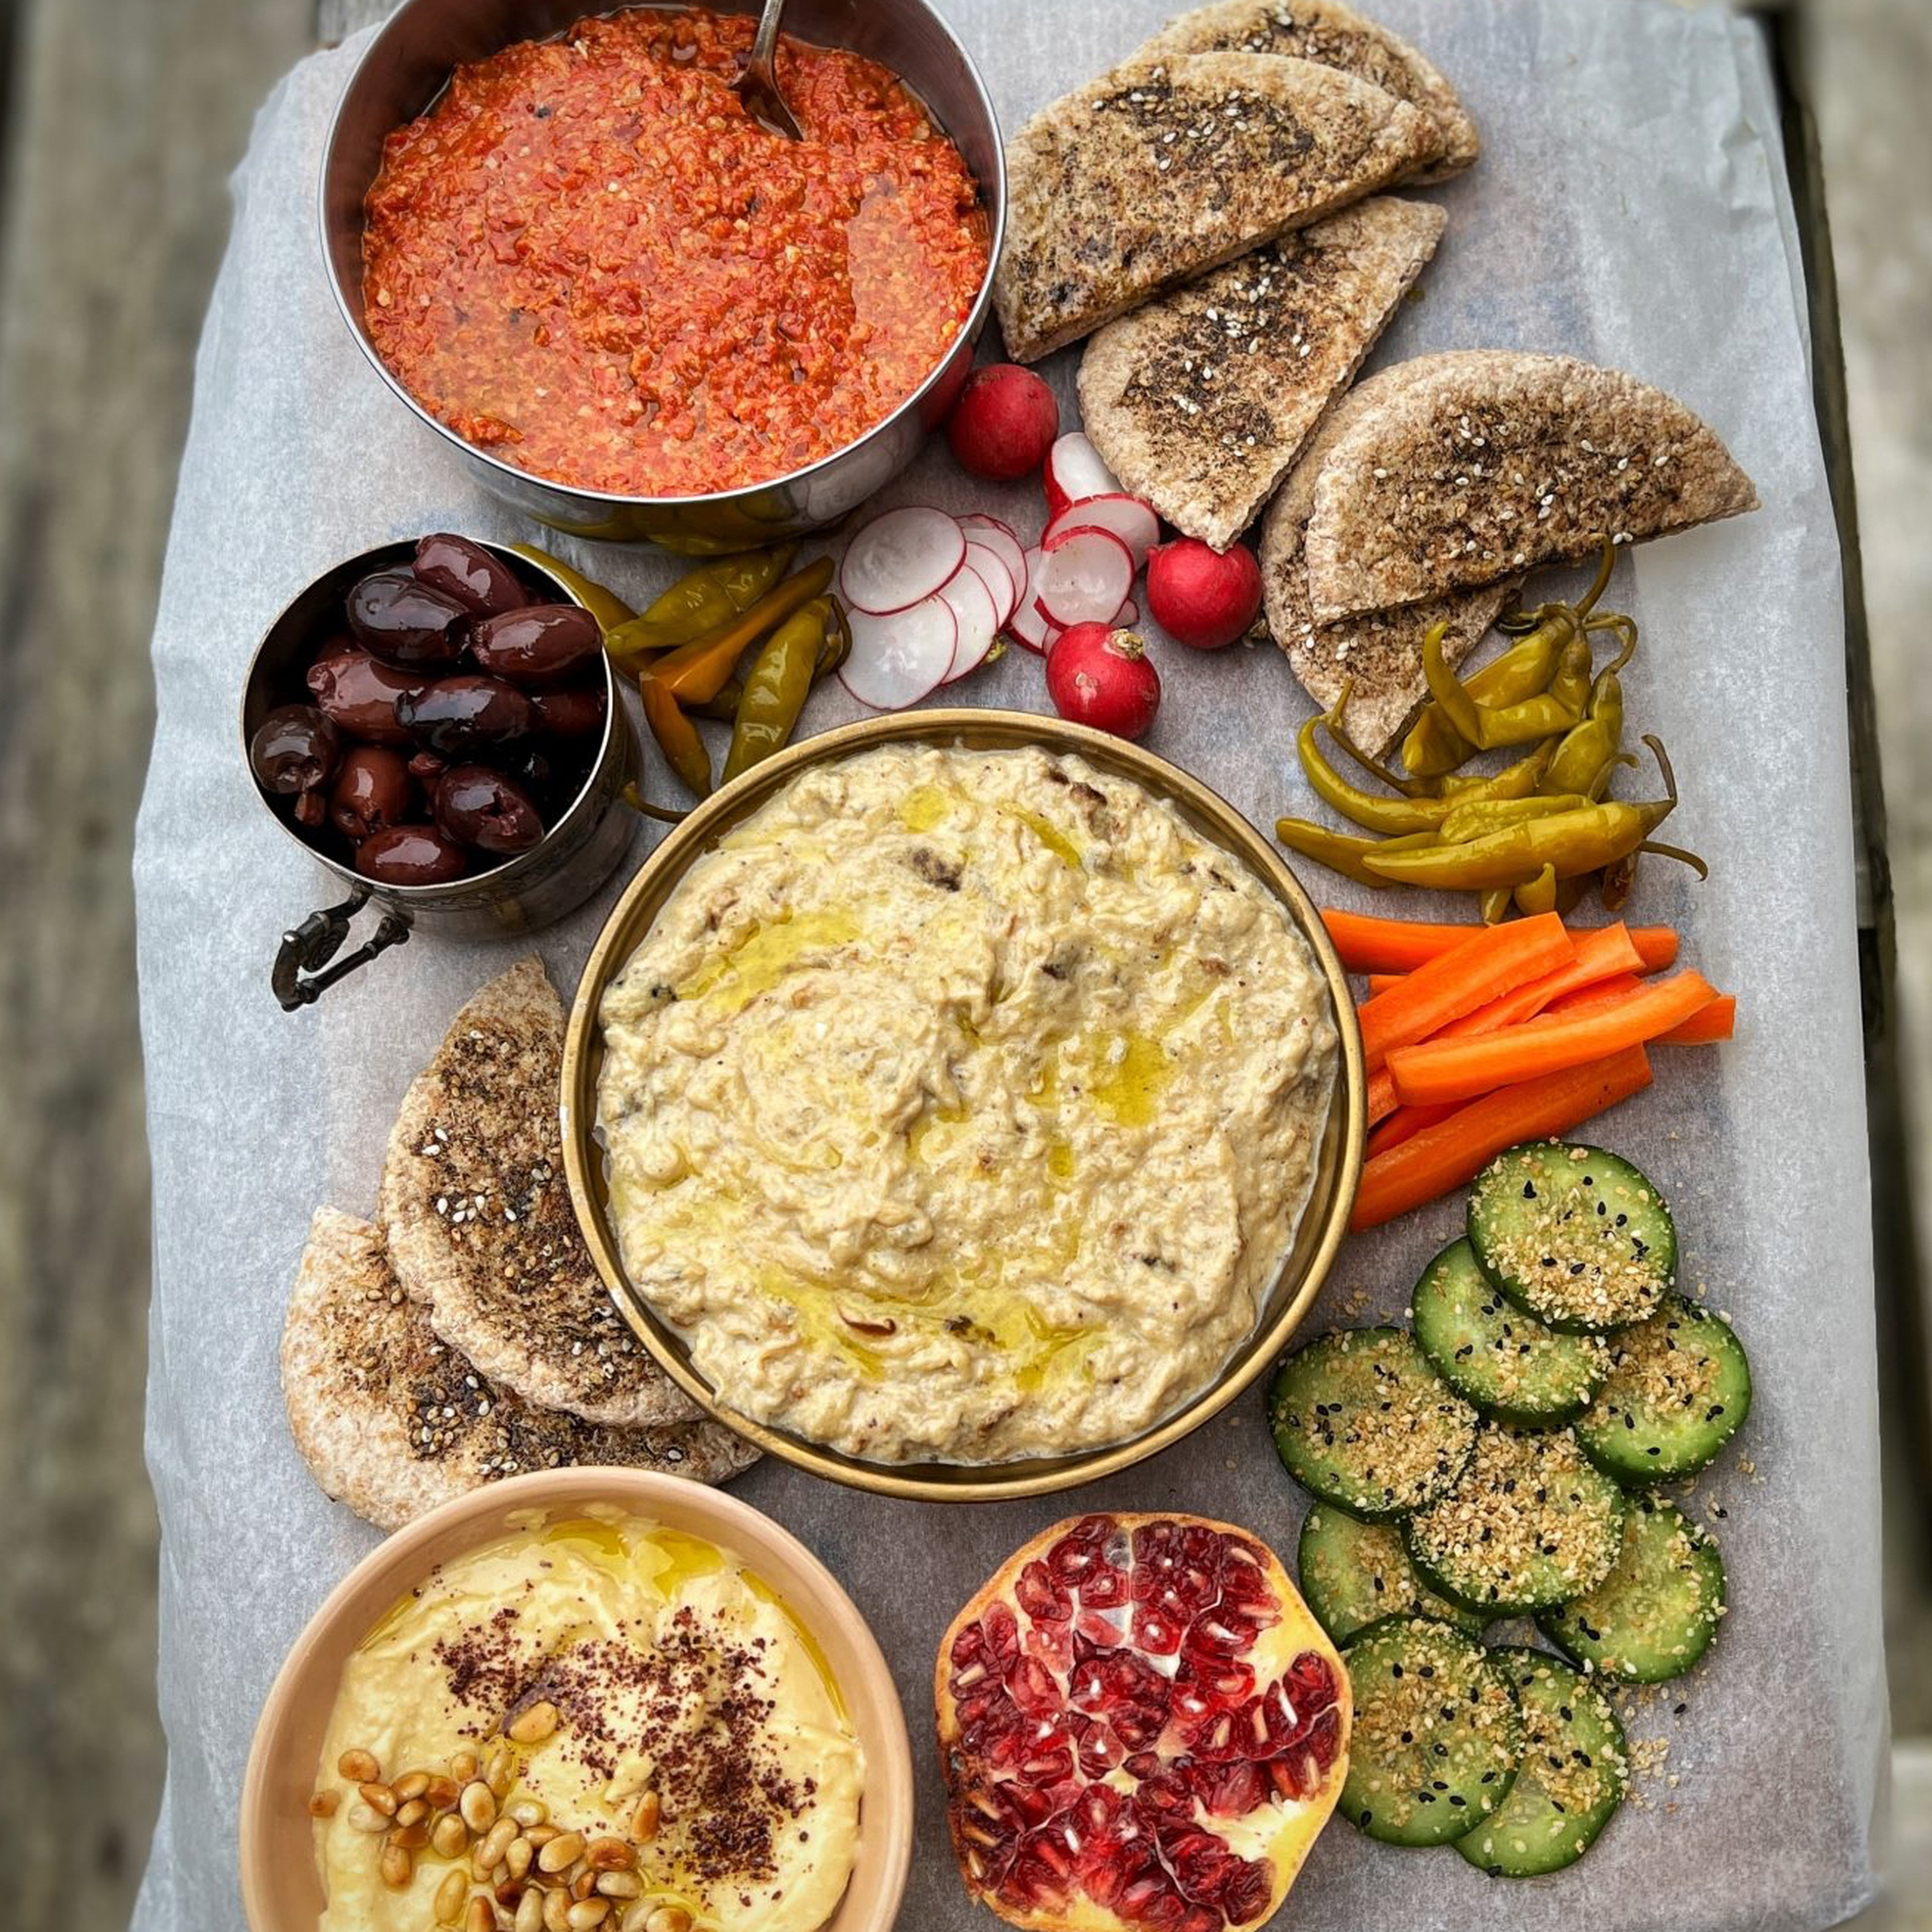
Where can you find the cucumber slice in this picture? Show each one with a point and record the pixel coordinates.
(1437, 1733)
(1656, 1613)
(1529, 1524)
(1678, 1389)
(1574, 1235)
(1361, 1420)
(1570, 1780)
(1508, 1363)
(1354, 1573)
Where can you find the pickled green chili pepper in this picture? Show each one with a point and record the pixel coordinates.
(677, 736)
(1490, 727)
(1584, 759)
(1494, 906)
(1473, 818)
(725, 706)
(605, 605)
(702, 601)
(1341, 854)
(1527, 775)
(1539, 895)
(777, 685)
(636, 801)
(838, 645)
(701, 669)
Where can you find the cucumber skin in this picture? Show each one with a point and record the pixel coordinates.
(1451, 1373)
(1647, 1475)
(1610, 1732)
(1322, 1606)
(1486, 1662)
(1710, 1562)
(1564, 1326)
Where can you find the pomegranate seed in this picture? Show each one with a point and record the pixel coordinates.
(1104, 1588)
(1033, 1687)
(1159, 1635)
(1036, 1593)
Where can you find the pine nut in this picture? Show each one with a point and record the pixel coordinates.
(449, 1836)
(412, 1785)
(478, 1805)
(365, 1818)
(644, 1825)
(556, 1904)
(668, 1918)
(325, 1804)
(507, 1891)
(619, 1884)
(610, 1855)
(582, 1881)
(501, 1772)
(518, 1859)
(449, 1897)
(587, 1912)
(562, 1853)
(378, 1798)
(443, 1793)
(495, 1842)
(480, 1918)
(529, 1811)
(397, 1867)
(358, 1767)
(533, 1724)
(408, 1813)
(635, 1916)
(411, 1837)
(530, 1912)
(462, 1767)
(542, 1834)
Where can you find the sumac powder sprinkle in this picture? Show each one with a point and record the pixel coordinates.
(588, 259)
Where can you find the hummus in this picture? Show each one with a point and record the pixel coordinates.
(962, 1105)
(682, 1718)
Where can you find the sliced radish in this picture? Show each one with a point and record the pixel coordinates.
(1001, 537)
(1084, 577)
(1028, 624)
(1075, 473)
(1128, 518)
(1000, 580)
(976, 608)
(900, 558)
(901, 656)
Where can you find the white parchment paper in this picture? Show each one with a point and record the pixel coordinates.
(1630, 208)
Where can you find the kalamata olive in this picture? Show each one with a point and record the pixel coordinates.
(359, 695)
(428, 766)
(294, 748)
(309, 809)
(467, 571)
(371, 792)
(407, 623)
(458, 717)
(534, 770)
(411, 855)
(536, 646)
(484, 809)
(576, 712)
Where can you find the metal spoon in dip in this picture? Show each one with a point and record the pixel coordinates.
(758, 85)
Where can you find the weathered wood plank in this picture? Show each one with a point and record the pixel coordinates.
(126, 117)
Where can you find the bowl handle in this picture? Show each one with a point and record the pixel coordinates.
(299, 976)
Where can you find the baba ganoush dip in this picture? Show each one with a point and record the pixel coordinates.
(961, 1105)
(603, 1702)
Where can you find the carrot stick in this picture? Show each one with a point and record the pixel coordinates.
(1384, 983)
(1493, 961)
(1452, 1152)
(1604, 993)
(1401, 1125)
(1428, 1074)
(1602, 952)
(1383, 1099)
(1370, 945)
(1716, 1021)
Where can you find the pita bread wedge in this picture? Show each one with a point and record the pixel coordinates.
(1480, 464)
(1161, 170)
(393, 1421)
(479, 1223)
(1331, 35)
(1378, 655)
(1199, 400)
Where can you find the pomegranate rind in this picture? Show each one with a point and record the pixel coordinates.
(1292, 1638)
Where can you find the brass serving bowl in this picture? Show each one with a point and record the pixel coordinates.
(1325, 1221)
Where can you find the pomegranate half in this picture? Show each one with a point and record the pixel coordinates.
(1141, 1726)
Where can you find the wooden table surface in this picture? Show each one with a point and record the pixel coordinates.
(125, 116)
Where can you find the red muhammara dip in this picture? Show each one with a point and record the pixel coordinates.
(588, 259)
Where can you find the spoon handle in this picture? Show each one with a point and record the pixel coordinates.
(764, 46)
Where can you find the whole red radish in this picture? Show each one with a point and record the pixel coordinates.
(1003, 424)
(1201, 597)
(1102, 678)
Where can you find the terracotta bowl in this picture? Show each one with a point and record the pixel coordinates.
(281, 1889)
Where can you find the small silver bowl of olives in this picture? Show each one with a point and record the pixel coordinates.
(435, 722)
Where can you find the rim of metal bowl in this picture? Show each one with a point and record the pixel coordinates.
(1338, 1172)
(976, 316)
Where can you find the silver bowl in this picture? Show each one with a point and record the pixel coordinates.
(406, 67)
